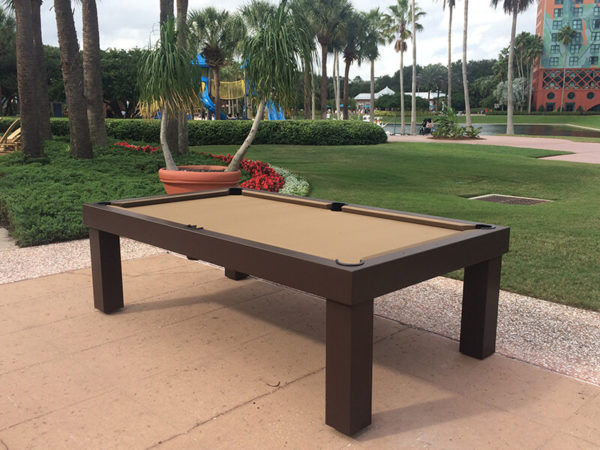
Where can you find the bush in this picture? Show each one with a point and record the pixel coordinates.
(446, 126)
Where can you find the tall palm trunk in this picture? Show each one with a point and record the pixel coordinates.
(530, 88)
(92, 75)
(450, 55)
(402, 119)
(313, 99)
(217, 79)
(164, 141)
(336, 85)
(345, 100)
(306, 94)
(182, 120)
(464, 67)
(79, 131)
(239, 155)
(41, 72)
(372, 100)
(323, 80)
(26, 78)
(413, 109)
(564, 81)
(166, 11)
(510, 129)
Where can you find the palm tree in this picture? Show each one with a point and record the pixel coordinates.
(398, 31)
(513, 7)
(92, 74)
(326, 17)
(535, 49)
(166, 10)
(354, 37)
(79, 131)
(182, 41)
(413, 108)
(565, 36)
(464, 67)
(26, 76)
(41, 73)
(217, 34)
(374, 36)
(272, 54)
(168, 79)
(451, 5)
(299, 8)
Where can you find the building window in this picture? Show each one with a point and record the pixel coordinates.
(578, 39)
(590, 95)
(596, 11)
(596, 36)
(557, 24)
(550, 95)
(577, 12)
(593, 60)
(570, 106)
(578, 24)
(596, 23)
(595, 48)
(573, 60)
(574, 48)
(558, 12)
(571, 95)
(554, 61)
(549, 107)
(558, 2)
(578, 2)
(556, 48)
(555, 37)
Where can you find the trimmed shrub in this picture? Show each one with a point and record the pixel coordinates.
(233, 132)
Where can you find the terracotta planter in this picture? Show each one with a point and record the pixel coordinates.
(182, 180)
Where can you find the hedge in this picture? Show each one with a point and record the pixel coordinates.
(233, 132)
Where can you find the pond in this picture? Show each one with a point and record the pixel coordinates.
(488, 129)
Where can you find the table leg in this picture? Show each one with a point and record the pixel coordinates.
(107, 278)
(349, 366)
(234, 274)
(480, 308)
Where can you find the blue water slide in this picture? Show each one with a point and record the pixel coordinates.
(205, 97)
(274, 111)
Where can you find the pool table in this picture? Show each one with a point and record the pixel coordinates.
(348, 254)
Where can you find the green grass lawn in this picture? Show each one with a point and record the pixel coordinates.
(554, 246)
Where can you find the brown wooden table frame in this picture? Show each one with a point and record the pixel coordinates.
(349, 290)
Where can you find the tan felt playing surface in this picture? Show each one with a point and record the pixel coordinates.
(348, 237)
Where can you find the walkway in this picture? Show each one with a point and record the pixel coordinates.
(584, 152)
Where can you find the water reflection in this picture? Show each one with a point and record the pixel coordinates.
(523, 129)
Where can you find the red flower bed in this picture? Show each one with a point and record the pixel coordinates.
(139, 148)
(262, 176)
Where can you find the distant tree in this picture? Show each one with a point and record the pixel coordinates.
(355, 36)
(451, 5)
(465, 67)
(216, 34)
(119, 80)
(41, 78)
(8, 62)
(514, 7)
(565, 37)
(413, 18)
(528, 47)
(374, 37)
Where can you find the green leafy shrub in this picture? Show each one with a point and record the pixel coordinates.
(446, 126)
(233, 132)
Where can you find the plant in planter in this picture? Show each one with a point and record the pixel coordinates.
(170, 82)
(277, 41)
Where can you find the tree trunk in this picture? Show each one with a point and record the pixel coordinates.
(564, 81)
(183, 144)
(164, 141)
(336, 86)
(402, 119)
(166, 10)
(530, 89)
(450, 55)
(41, 72)
(464, 67)
(26, 77)
(239, 155)
(217, 79)
(372, 111)
(338, 113)
(510, 129)
(313, 99)
(92, 74)
(413, 112)
(345, 100)
(306, 95)
(323, 80)
(81, 144)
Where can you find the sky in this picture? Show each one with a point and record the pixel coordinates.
(131, 23)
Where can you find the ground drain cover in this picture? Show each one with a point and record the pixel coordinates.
(509, 199)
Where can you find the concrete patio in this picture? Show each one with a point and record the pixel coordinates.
(196, 360)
